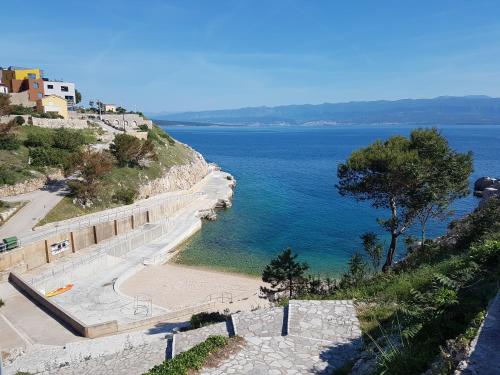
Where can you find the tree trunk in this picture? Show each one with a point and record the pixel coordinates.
(390, 253)
(422, 237)
(394, 237)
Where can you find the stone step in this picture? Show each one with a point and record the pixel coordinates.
(333, 321)
(260, 323)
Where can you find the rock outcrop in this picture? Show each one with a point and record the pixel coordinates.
(486, 188)
(179, 177)
(37, 182)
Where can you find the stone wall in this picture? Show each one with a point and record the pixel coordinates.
(179, 177)
(51, 123)
(32, 184)
(59, 123)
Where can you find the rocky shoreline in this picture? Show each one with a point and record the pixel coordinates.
(486, 188)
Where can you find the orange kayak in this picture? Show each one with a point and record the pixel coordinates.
(59, 291)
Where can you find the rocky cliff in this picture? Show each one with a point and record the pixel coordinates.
(179, 177)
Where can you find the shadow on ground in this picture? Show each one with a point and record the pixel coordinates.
(337, 355)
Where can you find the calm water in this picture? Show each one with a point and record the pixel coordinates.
(286, 192)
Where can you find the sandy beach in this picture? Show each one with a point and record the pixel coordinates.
(173, 286)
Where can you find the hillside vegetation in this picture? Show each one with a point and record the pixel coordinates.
(131, 164)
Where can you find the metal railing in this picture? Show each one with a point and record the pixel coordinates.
(114, 214)
(116, 247)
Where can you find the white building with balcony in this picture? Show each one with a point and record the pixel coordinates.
(64, 90)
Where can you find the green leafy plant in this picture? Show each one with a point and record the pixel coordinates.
(206, 318)
(193, 359)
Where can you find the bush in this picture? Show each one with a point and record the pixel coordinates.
(9, 142)
(39, 137)
(48, 156)
(131, 151)
(143, 127)
(125, 195)
(19, 120)
(9, 176)
(205, 318)
(486, 252)
(69, 139)
(193, 359)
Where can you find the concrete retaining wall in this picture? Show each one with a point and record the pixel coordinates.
(83, 238)
(35, 254)
(103, 231)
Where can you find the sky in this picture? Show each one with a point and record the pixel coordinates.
(173, 56)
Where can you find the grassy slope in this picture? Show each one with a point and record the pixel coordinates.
(121, 178)
(436, 295)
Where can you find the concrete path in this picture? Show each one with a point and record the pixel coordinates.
(40, 203)
(485, 355)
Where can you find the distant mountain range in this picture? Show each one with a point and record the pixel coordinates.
(475, 109)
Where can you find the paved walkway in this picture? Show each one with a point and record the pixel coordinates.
(40, 203)
(485, 356)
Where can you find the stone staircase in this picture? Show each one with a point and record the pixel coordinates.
(330, 328)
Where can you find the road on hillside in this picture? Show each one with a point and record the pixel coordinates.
(40, 202)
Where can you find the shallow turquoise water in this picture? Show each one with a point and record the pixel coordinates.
(286, 192)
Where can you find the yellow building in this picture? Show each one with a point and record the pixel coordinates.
(54, 104)
(20, 73)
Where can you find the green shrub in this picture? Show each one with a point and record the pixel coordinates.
(39, 137)
(152, 136)
(486, 252)
(7, 176)
(69, 139)
(131, 151)
(193, 359)
(48, 156)
(143, 127)
(9, 142)
(205, 318)
(19, 120)
(21, 110)
(125, 196)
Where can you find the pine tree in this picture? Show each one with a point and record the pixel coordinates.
(284, 273)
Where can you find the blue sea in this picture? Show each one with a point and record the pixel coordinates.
(286, 195)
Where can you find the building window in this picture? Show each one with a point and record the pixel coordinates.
(31, 76)
(50, 86)
(35, 85)
(64, 88)
(39, 95)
